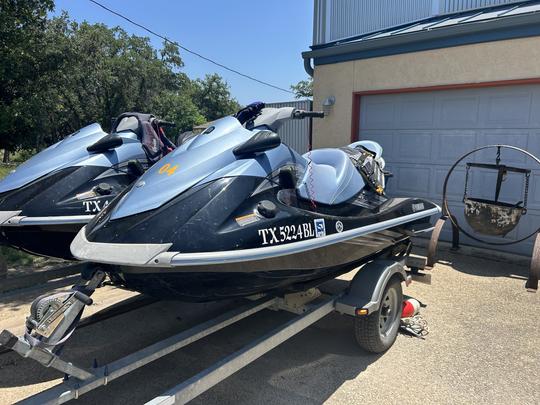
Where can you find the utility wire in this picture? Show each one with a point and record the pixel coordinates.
(189, 50)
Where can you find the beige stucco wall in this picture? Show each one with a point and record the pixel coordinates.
(493, 61)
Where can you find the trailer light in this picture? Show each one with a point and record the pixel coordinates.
(361, 312)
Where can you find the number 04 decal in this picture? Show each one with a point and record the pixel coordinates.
(166, 168)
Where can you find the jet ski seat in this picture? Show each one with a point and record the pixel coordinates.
(330, 178)
(151, 143)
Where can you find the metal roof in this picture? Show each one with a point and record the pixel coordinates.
(481, 25)
(446, 21)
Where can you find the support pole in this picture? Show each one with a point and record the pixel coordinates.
(43, 356)
(432, 247)
(436, 234)
(534, 271)
(455, 233)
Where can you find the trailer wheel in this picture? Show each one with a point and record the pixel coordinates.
(377, 332)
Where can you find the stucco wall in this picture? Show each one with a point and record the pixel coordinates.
(493, 61)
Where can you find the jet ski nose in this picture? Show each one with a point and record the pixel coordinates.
(5, 216)
(116, 253)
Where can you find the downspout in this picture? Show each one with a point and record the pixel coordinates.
(307, 66)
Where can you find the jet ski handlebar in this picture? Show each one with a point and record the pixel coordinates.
(301, 114)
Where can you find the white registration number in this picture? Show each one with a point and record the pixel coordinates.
(287, 233)
(94, 207)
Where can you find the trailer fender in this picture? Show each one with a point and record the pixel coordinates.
(366, 288)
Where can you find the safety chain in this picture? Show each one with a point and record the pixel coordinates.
(416, 326)
(526, 193)
(466, 191)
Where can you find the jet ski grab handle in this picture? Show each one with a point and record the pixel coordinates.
(165, 124)
(301, 114)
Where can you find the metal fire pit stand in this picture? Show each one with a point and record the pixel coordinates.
(534, 270)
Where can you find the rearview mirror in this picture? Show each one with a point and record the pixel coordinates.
(106, 143)
(258, 143)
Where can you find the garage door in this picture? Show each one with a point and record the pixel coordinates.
(424, 133)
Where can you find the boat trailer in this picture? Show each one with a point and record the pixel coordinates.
(364, 297)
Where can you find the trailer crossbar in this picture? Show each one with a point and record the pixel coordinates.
(229, 365)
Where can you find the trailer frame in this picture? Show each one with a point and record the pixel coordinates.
(364, 292)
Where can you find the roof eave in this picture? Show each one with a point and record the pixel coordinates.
(500, 26)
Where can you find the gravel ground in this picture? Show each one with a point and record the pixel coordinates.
(482, 348)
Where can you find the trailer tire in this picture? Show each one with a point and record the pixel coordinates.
(377, 332)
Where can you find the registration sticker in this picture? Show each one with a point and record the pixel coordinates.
(320, 228)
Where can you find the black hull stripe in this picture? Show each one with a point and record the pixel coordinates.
(246, 255)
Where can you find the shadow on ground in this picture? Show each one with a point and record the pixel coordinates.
(13, 300)
(483, 266)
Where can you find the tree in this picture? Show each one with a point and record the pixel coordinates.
(303, 89)
(22, 24)
(104, 72)
(212, 97)
(57, 76)
(178, 108)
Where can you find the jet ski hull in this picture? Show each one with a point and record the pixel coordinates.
(296, 272)
(179, 251)
(46, 240)
(44, 216)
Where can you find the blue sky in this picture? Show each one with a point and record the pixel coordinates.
(261, 38)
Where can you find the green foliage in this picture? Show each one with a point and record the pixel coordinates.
(178, 108)
(303, 89)
(22, 155)
(102, 72)
(57, 76)
(213, 98)
(5, 170)
(16, 258)
(22, 24)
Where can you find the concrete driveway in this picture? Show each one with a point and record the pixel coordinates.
(484, 347)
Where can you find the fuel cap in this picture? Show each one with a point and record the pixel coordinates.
(267, 209)
(103, 188)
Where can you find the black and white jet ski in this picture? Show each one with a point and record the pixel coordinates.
(46, 200)
(235, 212)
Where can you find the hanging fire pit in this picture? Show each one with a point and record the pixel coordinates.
(495, 217)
